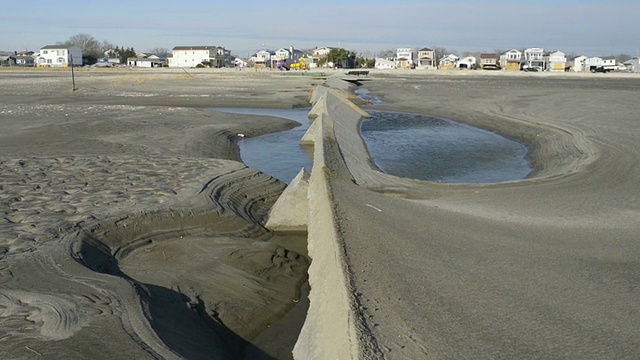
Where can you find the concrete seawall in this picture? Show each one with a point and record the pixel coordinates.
(333, 328)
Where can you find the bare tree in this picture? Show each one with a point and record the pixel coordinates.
(160, 51)
(387, 54)
(87, 43)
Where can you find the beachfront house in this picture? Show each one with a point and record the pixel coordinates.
(385, 64)
(534, 58)
(192, 56)
(556, 61)
(7, 58)
(592, 63)
(59, 56)
(426, 59)
(632, 65)
(467, 62)
(510, 60)
(489, 61)
(404, 58)
(578, 63)
(147, 61)
(262, 58)
(448, 62)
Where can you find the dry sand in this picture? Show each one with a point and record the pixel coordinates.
(543, 268)
(129, 227)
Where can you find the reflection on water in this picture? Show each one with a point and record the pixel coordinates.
(434, 149)
(408, 145)
(278, 154)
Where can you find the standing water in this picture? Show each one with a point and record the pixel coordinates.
(401, 144)
(278, 154)
(435, 149)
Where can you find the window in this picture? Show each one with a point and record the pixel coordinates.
(44, 52)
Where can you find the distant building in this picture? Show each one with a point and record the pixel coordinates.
(534, 58)
(426, 59)
(384, 64)
(7, 58)
(404, 58)
(192, 56)
(147, 61)
(489, 61)
(578, 63)
(556, 61)
(467, 62)
(632, 65)
(448, 62)
(511, 60)
(59, 56)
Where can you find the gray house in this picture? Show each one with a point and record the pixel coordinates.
(7, 58)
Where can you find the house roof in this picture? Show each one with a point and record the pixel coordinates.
(196, 47)
(67, 47)
(489, 56)
(425, 49)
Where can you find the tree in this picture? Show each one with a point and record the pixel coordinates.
(160, 51)
(88, 44)
(336, 56)
(387, 54)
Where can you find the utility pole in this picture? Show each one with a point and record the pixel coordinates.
(73, 75)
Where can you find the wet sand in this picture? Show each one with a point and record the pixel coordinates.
(130, 228)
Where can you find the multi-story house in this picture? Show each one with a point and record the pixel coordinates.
(511, 60)
(262, 58)
(534, 58)
(556, 61)
(192, 56)
(59, 56)
(489, 61)
(426, 59)
(404, 58)
(578, 63)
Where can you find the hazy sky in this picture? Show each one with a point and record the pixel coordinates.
(583, 27)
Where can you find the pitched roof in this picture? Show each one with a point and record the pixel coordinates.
(196, 47)
(425, 49)
(57, 47)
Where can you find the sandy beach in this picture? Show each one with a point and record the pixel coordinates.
(131, 228)
(544, 267)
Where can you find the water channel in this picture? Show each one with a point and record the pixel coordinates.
(401, 144)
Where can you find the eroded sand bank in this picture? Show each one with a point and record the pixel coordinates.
(130, 229)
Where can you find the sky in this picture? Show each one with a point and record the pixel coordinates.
(592, 28)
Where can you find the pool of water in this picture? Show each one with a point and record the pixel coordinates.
(435, 149)
(402, 144)
(279, 154)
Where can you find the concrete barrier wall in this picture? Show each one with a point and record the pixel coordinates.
(331, 330)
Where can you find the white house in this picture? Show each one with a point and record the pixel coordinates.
(511, 59)
(191, 56)
(590, 64)
(404, 57)
(467, 62)
(578, 64)
(448, 62)
(385, 64)
(262, 58)
(534, 58)
(556, 61)
(59, 56)
(321, 51)
(632, 65)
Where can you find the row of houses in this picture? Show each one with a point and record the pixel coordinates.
(64, 56)
(531, 59)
